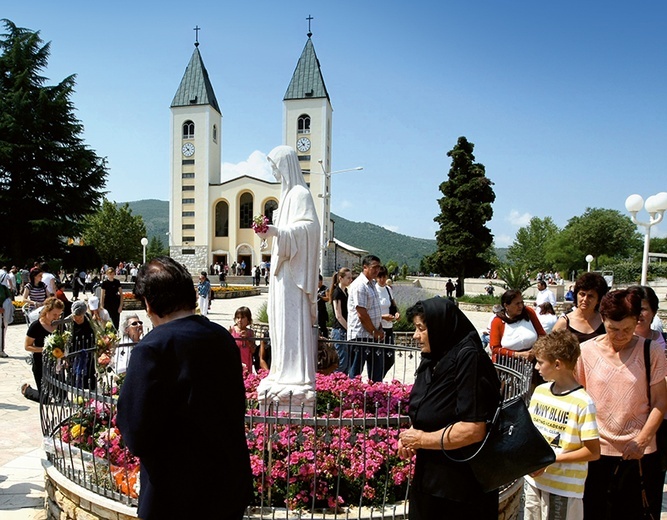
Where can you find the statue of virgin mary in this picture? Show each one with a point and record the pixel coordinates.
(292, 305)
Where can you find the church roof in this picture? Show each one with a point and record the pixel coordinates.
(307, 81)
(195, 87)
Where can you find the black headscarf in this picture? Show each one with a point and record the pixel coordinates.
(447, 326)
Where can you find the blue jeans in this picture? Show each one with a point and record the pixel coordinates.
(342, 349)
(374, 357)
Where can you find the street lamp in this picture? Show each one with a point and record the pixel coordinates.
(144, 243)
(326, 197)
(589, 259)
(655, 206)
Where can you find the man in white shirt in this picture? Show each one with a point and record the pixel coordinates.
(49, 280)
(364, 320)
(544, 295)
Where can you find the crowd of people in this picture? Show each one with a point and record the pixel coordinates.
(598, 395)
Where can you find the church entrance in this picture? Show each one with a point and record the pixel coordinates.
(248, 264)
(220, 259)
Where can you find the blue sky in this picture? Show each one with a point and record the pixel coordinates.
(566, 102)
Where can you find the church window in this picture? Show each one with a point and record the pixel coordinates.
(188, 201)
(188, 239)
(269, 208)
(188, 213)
(303, 124)
(187, 251)
(188, 226)
(245, 211)
(188, 188)
(304, 157)
(188, 130)
(215, 133)
(188, 176)
(222, 219)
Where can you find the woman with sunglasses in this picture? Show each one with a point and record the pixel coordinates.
(133, 331)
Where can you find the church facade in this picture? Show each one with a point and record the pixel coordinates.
(211, 221)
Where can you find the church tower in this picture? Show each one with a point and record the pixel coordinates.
(196, 147)
(210, 221)
(307, 115)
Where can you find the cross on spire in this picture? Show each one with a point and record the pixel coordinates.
(196, 30)
(309, 31)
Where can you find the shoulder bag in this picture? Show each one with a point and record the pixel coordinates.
(393, 309)
(661, 434)
(513, 447)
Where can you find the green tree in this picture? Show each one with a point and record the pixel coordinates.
(658, 245)
(604, 232)
(155, 248)
(514, 277)
(530, 244)
(564, 255)
(463, 238)
(115, 233)
(49, 179)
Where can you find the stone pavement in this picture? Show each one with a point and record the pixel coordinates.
(21, 454)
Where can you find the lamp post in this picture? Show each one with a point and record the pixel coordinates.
(326, 198)
(144, 243)
(589, 259)
(655, 206)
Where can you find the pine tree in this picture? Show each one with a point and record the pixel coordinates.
(49, 179)
(464, 241)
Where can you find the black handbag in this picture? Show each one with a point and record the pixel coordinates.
(661, 434)
(513, 447)
(393, 309)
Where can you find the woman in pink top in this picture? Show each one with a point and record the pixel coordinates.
(612, 370)
(242, 332)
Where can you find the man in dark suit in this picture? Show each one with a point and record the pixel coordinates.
(181, 375)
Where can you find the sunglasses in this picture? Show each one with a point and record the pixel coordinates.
(135, 323)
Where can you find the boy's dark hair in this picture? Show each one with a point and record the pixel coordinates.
(559, 345)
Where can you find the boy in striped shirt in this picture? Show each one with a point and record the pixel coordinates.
(565, 415)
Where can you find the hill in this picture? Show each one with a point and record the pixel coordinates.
(156, 217)
(386, 244)
(364, 235)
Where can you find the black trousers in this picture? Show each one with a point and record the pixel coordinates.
(614, 488)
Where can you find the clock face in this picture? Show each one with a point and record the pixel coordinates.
(303, 144)
(188, 149)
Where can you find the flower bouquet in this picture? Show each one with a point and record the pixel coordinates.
(106, 341)
(260, 224)
(56, 346)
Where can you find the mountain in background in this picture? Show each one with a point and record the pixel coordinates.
(386, 244)
(370, 237)
(156, 217)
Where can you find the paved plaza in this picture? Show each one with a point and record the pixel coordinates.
(21, 454)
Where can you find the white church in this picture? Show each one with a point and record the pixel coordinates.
(210, 220)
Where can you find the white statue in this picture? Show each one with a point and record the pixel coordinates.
(292, 306)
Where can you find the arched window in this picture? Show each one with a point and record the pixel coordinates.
(222, 219)
(303, 124)
(269, 208)
(188, 130)
(245, 211)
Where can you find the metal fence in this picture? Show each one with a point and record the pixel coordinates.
(342, 463)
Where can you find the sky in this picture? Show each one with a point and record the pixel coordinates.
(565, 102)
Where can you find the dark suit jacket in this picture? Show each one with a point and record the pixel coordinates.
(181, 411)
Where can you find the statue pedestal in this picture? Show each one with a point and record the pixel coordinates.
(289, 402)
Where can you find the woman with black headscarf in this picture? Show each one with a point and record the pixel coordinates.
(455, 393)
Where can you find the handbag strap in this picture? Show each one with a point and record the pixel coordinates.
(647, 364)
(490, 426)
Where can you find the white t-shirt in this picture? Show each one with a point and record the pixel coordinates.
(50, 282)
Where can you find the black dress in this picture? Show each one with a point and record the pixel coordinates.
(455, 382)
